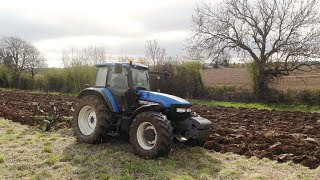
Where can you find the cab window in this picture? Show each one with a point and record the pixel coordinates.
(140, 78)
(101, 77)
(118, 80)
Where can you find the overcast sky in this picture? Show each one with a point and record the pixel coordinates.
(122, 26)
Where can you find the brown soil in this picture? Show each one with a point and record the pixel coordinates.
(17, 105)
(277, 135)
(226, 77)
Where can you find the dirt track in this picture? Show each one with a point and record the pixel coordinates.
(278, 135)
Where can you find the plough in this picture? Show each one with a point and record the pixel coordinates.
(52, 117)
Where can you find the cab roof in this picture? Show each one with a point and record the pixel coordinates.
(124, 64)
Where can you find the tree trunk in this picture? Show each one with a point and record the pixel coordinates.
(17, 80)
(261, 87)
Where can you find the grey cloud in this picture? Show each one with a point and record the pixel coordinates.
(168, 18)
(12, 25)
(137, 47)
(163, 19)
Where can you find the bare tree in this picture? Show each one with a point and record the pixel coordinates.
(36, 61)
(224, 59)
(154, 53)
(122, 56)
(95, 54)
(278, 36)
(73, 57)
(88, 56)
(2, 56)
(15, 53)
(195, 54)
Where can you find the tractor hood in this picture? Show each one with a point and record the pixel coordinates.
(165, 100)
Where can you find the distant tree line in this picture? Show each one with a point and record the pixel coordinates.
(19, 56)
(23, 66)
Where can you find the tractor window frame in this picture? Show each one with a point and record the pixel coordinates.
(101, 78)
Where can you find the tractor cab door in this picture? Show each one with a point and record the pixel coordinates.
(117, 82)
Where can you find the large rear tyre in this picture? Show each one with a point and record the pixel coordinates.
(151, 135)
(92, 120)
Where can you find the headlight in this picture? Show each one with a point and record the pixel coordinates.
(182, 110)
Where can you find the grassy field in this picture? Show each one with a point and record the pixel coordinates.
(260, 106)
(240, 77)
(27, 153)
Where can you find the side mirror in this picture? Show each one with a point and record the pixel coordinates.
(118, 68)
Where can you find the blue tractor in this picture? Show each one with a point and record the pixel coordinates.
(121, 103)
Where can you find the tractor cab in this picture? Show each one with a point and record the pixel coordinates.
(123, 80)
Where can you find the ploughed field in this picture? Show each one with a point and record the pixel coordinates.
(277, 135)
(17, 105)
(241, 78)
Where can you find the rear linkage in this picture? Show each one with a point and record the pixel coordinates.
(53, 116)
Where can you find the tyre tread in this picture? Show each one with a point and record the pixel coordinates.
(103, 120)
(165, 139)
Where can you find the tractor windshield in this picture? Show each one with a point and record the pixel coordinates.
(140, 78)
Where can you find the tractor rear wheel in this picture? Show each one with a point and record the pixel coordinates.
(92, 120)
(151, 134)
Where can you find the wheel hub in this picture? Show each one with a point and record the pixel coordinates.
(87, 120)
(92, 120)
(146, 135)
(150, 135)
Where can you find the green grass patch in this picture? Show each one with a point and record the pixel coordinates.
(260, 106)
(9, 131)
(52, 160)
(1, 158)
(117, 162)
(47, 148)
(42, 175)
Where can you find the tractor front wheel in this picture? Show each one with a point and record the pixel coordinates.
(151, 134)
(91, 120)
